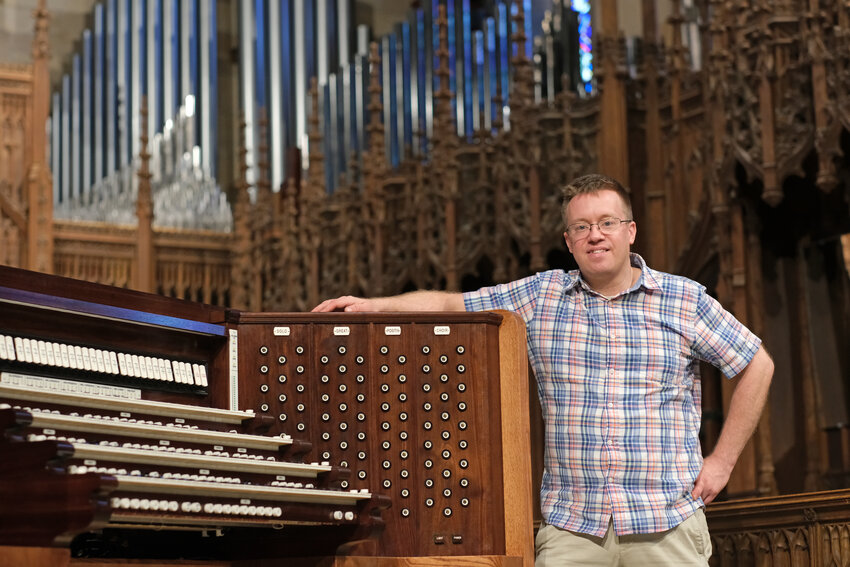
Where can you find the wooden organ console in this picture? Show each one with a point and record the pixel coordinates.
(137, 427)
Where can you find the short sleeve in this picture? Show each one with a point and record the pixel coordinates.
(519, 296)
(721, 339)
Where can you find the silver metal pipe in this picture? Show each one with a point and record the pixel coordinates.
(414, 54)
(136, 46)
(152, 39)
(246, 71)
(387, 95)
(277, 147)
(343, 27)
(186, 26)
(122, 83)
(168, 63)
(363, 40)
(300, 86)
(207, 90)
(100, 94)
(66, 138)
(111, 91)
(432, 43)
(346, 99)
(55, 121)
(86, 111)
(322, 41)
(76, 173)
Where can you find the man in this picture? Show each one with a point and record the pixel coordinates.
(615, 348)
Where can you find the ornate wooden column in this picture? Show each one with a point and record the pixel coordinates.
(312, 200)
(655, 189)
(613, 139)
(676, 225)
(375, 167)
(144, 213)
(240, 263)
(39, 183)
(444, 158)
(826, 124)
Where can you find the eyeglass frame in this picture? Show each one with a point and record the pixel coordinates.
(598, 225)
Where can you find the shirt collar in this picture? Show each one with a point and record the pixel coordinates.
(647, 278)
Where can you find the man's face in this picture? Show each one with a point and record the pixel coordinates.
(600, 256)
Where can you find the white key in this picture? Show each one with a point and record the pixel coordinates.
(178, 371)
(63, 354)
(137, 370)
(77, 357)
(163, 367)
(3, 353)
(27, 350)
(98, 357)
(203, 373)
(123, 368)
(149, 368)
(43, 352)
(51, 353)
(18, 350)
(111, 361)
(196, 374)
(86, 358)
(33, 347)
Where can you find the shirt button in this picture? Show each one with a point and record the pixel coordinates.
(610, 404)
(611, 373)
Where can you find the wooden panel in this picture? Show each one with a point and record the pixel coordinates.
(411, 404)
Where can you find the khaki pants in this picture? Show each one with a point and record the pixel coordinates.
(686, 544)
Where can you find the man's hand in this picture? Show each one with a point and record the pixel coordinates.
(347, 303)
(712, 478)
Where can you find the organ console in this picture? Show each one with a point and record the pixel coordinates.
(145, 428)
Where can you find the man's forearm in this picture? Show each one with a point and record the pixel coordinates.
(423, 301)
(745, 408)
(412, 301)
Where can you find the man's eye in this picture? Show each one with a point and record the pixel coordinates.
(608, 223)
(580, 227)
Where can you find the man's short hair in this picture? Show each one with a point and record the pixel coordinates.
(593, 183)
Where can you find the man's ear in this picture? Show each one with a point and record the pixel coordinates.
(569, 246)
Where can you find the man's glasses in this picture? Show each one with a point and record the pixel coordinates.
(606, 226)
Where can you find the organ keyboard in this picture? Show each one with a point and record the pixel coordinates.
(137, 426)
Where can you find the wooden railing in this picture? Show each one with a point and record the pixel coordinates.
(798, 530)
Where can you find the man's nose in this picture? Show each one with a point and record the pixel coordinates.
(595, 233)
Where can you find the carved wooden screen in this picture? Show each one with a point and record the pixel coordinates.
(15, 153)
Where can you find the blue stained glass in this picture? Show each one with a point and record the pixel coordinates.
(585, 32)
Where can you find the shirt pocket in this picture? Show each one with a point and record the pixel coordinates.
(663, 355)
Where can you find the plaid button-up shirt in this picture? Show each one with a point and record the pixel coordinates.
(618, 381)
